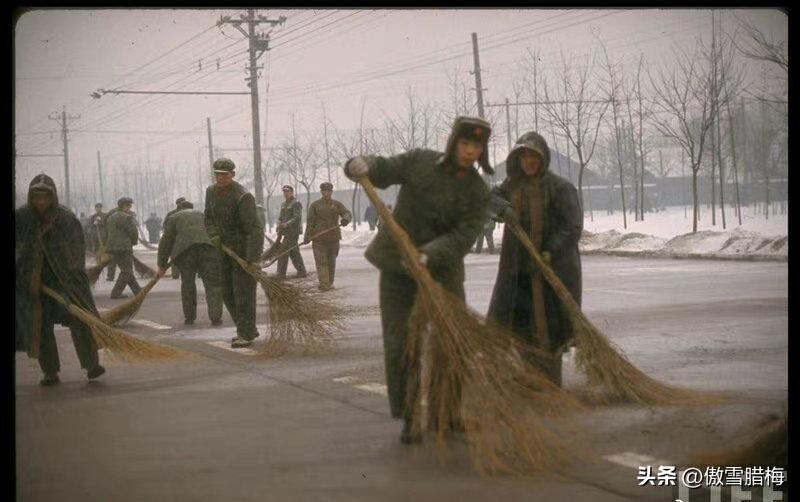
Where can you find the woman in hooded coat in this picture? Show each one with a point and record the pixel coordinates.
(547, 207)
(49, 250)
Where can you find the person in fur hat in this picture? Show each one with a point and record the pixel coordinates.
(442, 205)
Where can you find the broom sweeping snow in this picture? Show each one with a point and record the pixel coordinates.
(124, 312)
(119, 343)
(296, 316)
(606, 367)
(143, 269)
(94, 272)
(475, 374)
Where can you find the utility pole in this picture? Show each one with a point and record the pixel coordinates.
(508, 125)
(477, 72)
(61, 119)
(210, 148)
(258, 44)
(100, 177)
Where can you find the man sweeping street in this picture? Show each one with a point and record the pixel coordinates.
(122, 234)
(547, 208)
(290, 225)
(96, 223)
(324, 214)
(442, 205)
(49, 250)
(176, 273)
(185, 241)
(231, 219)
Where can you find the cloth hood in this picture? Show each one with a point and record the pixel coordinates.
(43, 182)
(531, 141)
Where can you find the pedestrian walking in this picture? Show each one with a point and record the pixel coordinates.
(323, 214)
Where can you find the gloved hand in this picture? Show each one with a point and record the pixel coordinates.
(161, 271)
(509, 215)
(344, 223)
(356, 168)
(217, 241)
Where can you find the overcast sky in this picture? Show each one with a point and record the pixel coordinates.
(341, 58)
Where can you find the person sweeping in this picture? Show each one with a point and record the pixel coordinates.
(547, 208)
(231, 219)
(442, 205)
(49, 252)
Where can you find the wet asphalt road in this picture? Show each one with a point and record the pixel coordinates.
(231, 426)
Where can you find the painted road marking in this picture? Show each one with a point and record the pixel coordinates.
(227, 346)
(151, 324)
(635, 460)
(375, 388)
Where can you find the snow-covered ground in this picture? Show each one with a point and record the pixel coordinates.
(666, 233)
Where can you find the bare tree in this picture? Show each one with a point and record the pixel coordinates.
(614, 88)
(684, 95)
(581, 113)
(759, 47)
(300, 161)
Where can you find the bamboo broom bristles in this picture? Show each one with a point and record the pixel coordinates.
(605, 365)
(119, 343)
(124, 312)
(297, 317)
(477, 375)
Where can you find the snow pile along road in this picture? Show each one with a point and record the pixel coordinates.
(733, 244)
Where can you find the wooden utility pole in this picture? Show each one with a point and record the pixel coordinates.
(477, 72)
(100, 178)
(61, 119)
(258, 44)
(508, 125)
(210, 149)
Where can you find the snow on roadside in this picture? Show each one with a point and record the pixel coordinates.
(665, 234)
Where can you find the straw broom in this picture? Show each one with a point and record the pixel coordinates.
(297, 317)
(124, 312)
(284, 253)
(143, 269)
(605, 365)
(119, 343)
(479, 374)
(94, 272)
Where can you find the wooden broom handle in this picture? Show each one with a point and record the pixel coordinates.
(300, 244)
(548, 273)
(400, 236)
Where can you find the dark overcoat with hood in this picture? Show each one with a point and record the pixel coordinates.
(49, 249)
(550, 213)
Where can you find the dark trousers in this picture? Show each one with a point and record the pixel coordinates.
(124, 260)
(397, 295)
(372, 225)
(85, 346)
(112, 268)
(294, 255)
(486, 234)
(153, 237)
(325, 253)
(203, 260)
(239, 297)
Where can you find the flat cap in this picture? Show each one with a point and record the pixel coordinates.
(326, 186)
(287, 188)
(223, 165)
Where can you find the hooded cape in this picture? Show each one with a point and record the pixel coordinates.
(554, 226)
(49, 249)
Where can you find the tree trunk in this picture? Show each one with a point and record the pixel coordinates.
(353, 203)
(695, 202)
(713, 181)
(721, 173)
(733, 158)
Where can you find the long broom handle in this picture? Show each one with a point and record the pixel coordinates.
(400, 236)
(551, 277)
(299, 244)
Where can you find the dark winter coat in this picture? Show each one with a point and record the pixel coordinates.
(153, 225)
(323, 215)
(292, 215)
(58, 260)
(122, 232)
(440, 206)
(182, 230)
(231, 214)
(561, 225)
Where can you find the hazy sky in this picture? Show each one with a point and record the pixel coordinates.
(338, 57)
